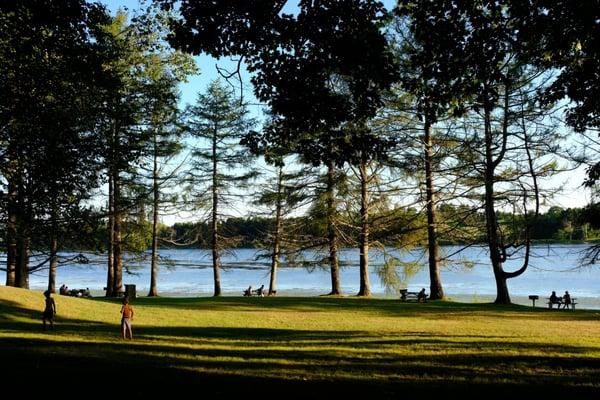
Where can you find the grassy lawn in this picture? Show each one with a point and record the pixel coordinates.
(292, 347)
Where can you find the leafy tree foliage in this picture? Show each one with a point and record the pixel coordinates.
(498, 89)
(122, 129)
(140, 108)
(165, 69)
(565, 35)
(317, 70)
(423, 71)
(50, 72)
(281, 197)
(219, 121)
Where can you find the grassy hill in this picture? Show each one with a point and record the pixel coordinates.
(299, 347)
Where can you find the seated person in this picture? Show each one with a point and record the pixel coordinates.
(566, 299)
(554, 299)
(63, 290)
(422, 295)
(403, 294)
(248, 292)
(261, 291)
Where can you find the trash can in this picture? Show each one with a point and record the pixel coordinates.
(130, 291)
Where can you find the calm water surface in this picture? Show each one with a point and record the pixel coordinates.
(189, 273)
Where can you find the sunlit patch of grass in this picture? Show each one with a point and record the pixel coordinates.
(355, 344)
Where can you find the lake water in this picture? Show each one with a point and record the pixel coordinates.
(189, 273)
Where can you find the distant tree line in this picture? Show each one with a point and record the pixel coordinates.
(556, 225)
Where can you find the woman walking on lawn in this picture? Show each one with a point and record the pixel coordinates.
(126, 318)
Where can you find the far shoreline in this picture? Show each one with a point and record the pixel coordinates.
(584, 303)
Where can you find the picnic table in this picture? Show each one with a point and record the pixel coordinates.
(260, 292)
(405, 295)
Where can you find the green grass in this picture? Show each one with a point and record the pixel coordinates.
(310, 346)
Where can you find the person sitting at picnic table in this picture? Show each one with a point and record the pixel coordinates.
(261, 291)
(248, 292)
(554, 299)
(566, 299)
(422, 295)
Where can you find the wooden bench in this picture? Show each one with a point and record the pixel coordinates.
(573, 303)
(559, 303)
(551, 303)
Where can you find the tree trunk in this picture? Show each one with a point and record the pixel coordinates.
(215, 219)
(332, 238)
(365, 287)
(117, 252)
(110, 276)
(435, 288)
(154, 263)
(53, 262)
(502, 296)
(278, 229)
(11, 236)
(22, 275)
(22, 270)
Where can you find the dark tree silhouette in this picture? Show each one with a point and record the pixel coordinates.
(50, 70)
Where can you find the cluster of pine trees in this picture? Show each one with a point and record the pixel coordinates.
(430, 121)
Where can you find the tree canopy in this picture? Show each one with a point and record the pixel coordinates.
(320, 71)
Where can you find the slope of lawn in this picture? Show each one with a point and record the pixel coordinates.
(297, 347)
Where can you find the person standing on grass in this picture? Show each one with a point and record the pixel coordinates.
(126, 319)
(49, 310)
(566, 300)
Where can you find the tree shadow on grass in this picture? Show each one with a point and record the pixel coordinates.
(386, 307)
(235, 371)
(14, 317)
(301, 363)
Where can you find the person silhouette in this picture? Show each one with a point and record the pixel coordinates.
(126, 319)
(554, 299)
(49, 310)
(422, 295)
(566, 300)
